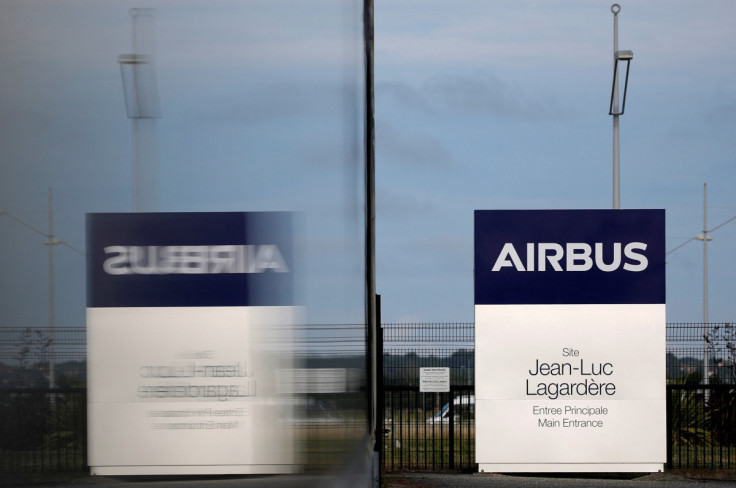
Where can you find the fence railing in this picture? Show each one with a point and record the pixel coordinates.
(43, 430)
(701, 421)
(695, 349)
(432, 431)
(28, 355)
(696, 414)
(410, 346)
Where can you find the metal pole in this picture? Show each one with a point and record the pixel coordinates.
(51, 243)
(615, 9)
(143, 119)
(375, 432)
(706, 328)
(135, 128)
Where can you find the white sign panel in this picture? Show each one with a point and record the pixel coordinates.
(570, 367)
(434, 380)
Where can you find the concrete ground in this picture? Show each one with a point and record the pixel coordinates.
(391, 480)
(658, 480)
(84, 481)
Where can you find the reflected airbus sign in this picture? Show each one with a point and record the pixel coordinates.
(193, 259)
(184, 313)
(190, 259)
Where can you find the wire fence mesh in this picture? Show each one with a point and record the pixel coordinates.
(694, 350)
(54, 411)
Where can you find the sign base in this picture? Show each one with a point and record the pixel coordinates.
(194, 470)
(572, 468)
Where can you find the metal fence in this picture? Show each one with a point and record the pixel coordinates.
(701, 421)
(432, 431)
(43, 394)
(696, 349)
(43, 400)
(43, 357)
(44, 430)
(44, 426)
(701, 417)
(408, 347)
(698, 416)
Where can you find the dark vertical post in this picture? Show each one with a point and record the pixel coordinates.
(381, 399)
(436, 400)
(411, 426)
(83, 426)
(370, 245)
(669, 427)
(451, 413)
(392, 399)
(401, 427)
(424, 428)
(370, 217)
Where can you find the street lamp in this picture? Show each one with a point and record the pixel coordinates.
(142, 107)
(619, 57)
(139, 86)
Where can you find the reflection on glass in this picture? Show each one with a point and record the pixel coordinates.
(264, 111)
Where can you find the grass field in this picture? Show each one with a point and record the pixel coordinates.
(421, 445)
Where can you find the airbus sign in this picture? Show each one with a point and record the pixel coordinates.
(577, 257)
(569, 340)
(569, 256)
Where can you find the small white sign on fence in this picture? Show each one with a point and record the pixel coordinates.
(434, 380)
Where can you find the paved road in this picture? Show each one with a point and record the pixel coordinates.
(433, 480)
(404, 480)
(268, 481)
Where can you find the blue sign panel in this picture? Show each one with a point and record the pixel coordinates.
(569, 257)
(189, 259)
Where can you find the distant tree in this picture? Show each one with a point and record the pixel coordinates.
(721, 340)
(32, 356)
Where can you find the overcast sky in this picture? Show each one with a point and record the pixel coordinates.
(479, 105)
(504, 105)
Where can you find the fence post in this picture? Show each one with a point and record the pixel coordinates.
(452, 430)
(669, 426)
(380, 433)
